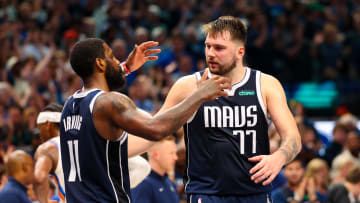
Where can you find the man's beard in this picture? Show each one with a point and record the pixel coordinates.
(115, 78)
(222, 69)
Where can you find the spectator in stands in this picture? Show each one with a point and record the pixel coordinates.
(319, 171)
(141, 92)
(20, 169)
(299, 188)
(351, 152)
(310, 143)
(18, 135)
(347, 192)
(339, 174)
(157, 187)
(337, 144)
(328, 50)
(349, 120)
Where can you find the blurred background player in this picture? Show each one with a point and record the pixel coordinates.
(158, 187)
(48, 155)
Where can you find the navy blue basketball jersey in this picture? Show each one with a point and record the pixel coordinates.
(222, 135)
(95, 169)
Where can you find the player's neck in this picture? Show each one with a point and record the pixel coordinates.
(96, 82)
(236, 74)
(56, 134)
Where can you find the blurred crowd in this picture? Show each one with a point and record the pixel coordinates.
(294, 40)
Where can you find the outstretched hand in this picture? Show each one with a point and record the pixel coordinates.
(268, 167)
(214, 87)
(141, 54)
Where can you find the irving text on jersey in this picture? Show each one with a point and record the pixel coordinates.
(72, 122)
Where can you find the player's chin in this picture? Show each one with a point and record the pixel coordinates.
(214, 69)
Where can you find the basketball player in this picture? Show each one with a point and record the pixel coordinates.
(95, 121)
(226, 140)
(47, 156)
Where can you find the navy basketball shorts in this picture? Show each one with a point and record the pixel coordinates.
(258, 198)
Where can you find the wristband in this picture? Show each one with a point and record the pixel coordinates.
(124, 68)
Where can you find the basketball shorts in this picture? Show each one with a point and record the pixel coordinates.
(258, 198)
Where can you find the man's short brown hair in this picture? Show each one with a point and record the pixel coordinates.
(234, 25)
(354, 175)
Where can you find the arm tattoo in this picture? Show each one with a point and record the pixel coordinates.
(290, 148)
(113, 103)
(120, 104)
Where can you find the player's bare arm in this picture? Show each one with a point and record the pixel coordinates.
(269, 166)
(283, 120)
(137, 144)
(45, 161)
(179, 91)
(115, 109)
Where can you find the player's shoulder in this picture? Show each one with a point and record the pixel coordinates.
(186, 81)
(269, 81)
(182, 88)
(45, 149)
(109, 101)
(268, 78)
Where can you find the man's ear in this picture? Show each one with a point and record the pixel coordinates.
(240, 52)
(155, 155)
(100, 64)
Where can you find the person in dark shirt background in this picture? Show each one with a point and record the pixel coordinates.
(20, 168)
(158, 187)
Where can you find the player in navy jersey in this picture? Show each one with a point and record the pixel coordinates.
(227, 144)
(95, 121)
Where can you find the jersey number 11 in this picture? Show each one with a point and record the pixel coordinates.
(74, 149)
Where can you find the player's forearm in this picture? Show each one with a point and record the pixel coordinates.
(290, 146)
(172, 119)
(42, 191)
(138, 145)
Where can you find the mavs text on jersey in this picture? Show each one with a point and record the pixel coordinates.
(220, 138)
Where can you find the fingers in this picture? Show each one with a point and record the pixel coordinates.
(256, 159)
(260, 175)
(146, 45)
(204, 76)
(225, 82)
(152, 51)
(223, 94)
(270, 179)
(257, 167)
(151, 58)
